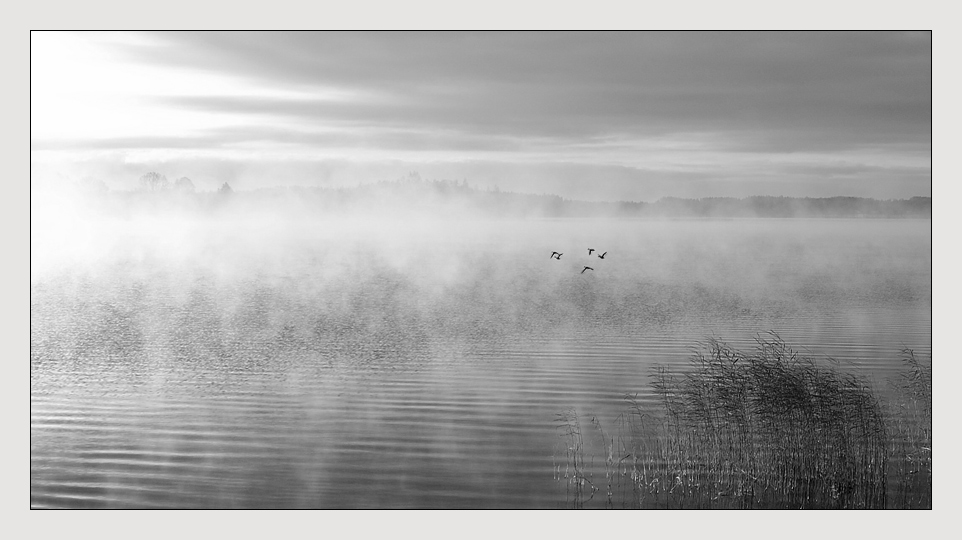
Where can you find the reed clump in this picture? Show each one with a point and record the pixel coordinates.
(761, 429)
(766, 428)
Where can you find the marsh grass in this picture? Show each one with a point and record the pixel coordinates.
(769, 428)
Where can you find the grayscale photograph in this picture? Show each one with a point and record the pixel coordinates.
(480, 270)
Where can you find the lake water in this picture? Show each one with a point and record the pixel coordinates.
(365, 364)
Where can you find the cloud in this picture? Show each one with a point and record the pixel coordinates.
(683, 106)
(577, 84)
(410, 140)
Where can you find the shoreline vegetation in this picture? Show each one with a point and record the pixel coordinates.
(455, 199)
(757, 429)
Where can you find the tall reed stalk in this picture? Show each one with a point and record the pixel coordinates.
(573, 471)
(911, 435)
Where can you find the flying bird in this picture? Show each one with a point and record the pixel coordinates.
(555, 255)
(590, 250)
(602, 256)
(587, 268)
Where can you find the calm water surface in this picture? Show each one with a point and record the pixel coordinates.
(366, 365)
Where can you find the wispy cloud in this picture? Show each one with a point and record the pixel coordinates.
(667, 102)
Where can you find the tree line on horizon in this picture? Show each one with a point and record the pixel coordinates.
(415, 195)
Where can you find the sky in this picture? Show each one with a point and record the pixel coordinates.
(592, 116)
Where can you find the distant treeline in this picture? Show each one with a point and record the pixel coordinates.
(451, 197)
(448, 198)
(831, 207)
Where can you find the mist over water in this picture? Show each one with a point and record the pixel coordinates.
(231, 358)
(233, 305)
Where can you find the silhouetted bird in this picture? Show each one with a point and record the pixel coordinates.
(590, 250)
(602, 256)
(587, 268)
(553, 254)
